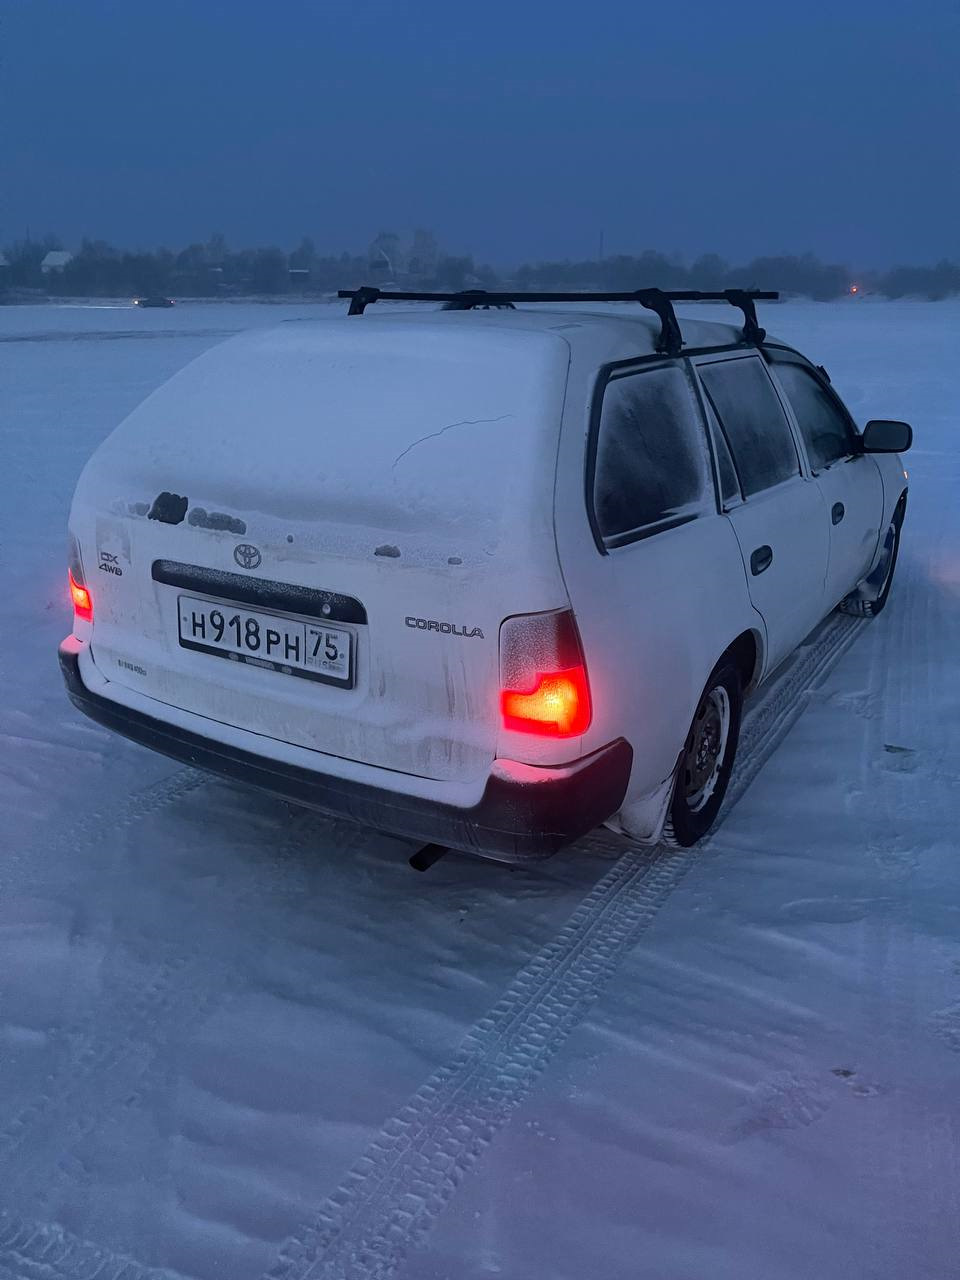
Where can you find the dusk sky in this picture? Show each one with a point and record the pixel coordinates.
(516, 131)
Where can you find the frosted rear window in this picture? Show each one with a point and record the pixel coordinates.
(651, 465)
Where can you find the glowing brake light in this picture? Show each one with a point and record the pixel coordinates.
(82, 604)
(559, 705)
(543, 679)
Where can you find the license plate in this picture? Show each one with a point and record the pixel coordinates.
(293, 646)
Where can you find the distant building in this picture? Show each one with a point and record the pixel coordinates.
(299, 276)
(55, 260)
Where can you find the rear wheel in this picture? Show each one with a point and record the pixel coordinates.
(703, 773)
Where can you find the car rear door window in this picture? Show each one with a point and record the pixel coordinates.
(753, 422)
(652, 465)
(827, 432)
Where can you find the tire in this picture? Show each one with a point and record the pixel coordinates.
(698, 791)
(871, 599)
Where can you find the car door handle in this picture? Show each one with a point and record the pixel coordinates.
(761, 559)
(837, 512)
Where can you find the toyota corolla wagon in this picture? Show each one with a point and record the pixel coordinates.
(485, 576)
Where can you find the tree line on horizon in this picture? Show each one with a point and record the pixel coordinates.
(212, 269)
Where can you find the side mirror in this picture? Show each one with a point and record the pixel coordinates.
(881, 435)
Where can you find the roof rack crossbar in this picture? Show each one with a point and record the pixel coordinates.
(476, 300)
(660, 301)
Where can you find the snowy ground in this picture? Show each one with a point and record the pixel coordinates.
(238, 1040)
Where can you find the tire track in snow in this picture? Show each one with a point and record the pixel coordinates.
(411, 1170)
(915, 1150)
(110, 1060)
(95, 827)
(89, 830)
(72, 1105)
(29, 1251)
(400, 1185)
(117, 1072)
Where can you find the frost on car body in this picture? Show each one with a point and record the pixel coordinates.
(415, 491)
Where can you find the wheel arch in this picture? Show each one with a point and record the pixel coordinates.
(900, 510)
(747, 652)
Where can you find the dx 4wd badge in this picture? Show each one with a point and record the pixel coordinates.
(113, 547)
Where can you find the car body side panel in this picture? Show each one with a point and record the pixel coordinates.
(783, 533)
(654, 616)
(791, 523)
(853, 502)
(856, 549)
(853, 498)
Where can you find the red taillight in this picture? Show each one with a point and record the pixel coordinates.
(558, 705)
(543, 679)
(82, 604)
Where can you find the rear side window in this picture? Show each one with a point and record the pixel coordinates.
(753, 421)
(651, 469)
(824, 426)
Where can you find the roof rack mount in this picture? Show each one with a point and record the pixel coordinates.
(660, 301)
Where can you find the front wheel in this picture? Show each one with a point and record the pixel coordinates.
(703, 773)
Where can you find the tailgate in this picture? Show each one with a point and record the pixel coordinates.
(350, 488)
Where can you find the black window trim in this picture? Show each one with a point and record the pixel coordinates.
(613, 372)
(771, 359)
(709, 417)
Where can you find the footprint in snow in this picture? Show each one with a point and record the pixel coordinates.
(900, 759)
(893, 854)
(784, 1101)
(946, 1026)
(857, 1087)
(866, 705)
(828, 910)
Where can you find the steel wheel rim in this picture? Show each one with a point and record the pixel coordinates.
(706, 747)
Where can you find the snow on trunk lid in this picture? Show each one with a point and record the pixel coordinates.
(410, 468)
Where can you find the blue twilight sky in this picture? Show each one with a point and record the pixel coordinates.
(516, 131)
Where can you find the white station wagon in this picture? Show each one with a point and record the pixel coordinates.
(484, 576)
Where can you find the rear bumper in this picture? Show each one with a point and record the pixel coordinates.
(525, 813)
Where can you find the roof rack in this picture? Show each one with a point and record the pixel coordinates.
(659, 301)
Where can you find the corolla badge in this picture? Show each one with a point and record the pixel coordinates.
(445, 628)
(246, 555)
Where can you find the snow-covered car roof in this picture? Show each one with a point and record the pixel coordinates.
(610, 333)
(368, 427)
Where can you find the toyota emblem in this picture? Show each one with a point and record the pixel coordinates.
(246, 555)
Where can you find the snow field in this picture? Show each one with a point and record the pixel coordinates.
(238, 1039)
